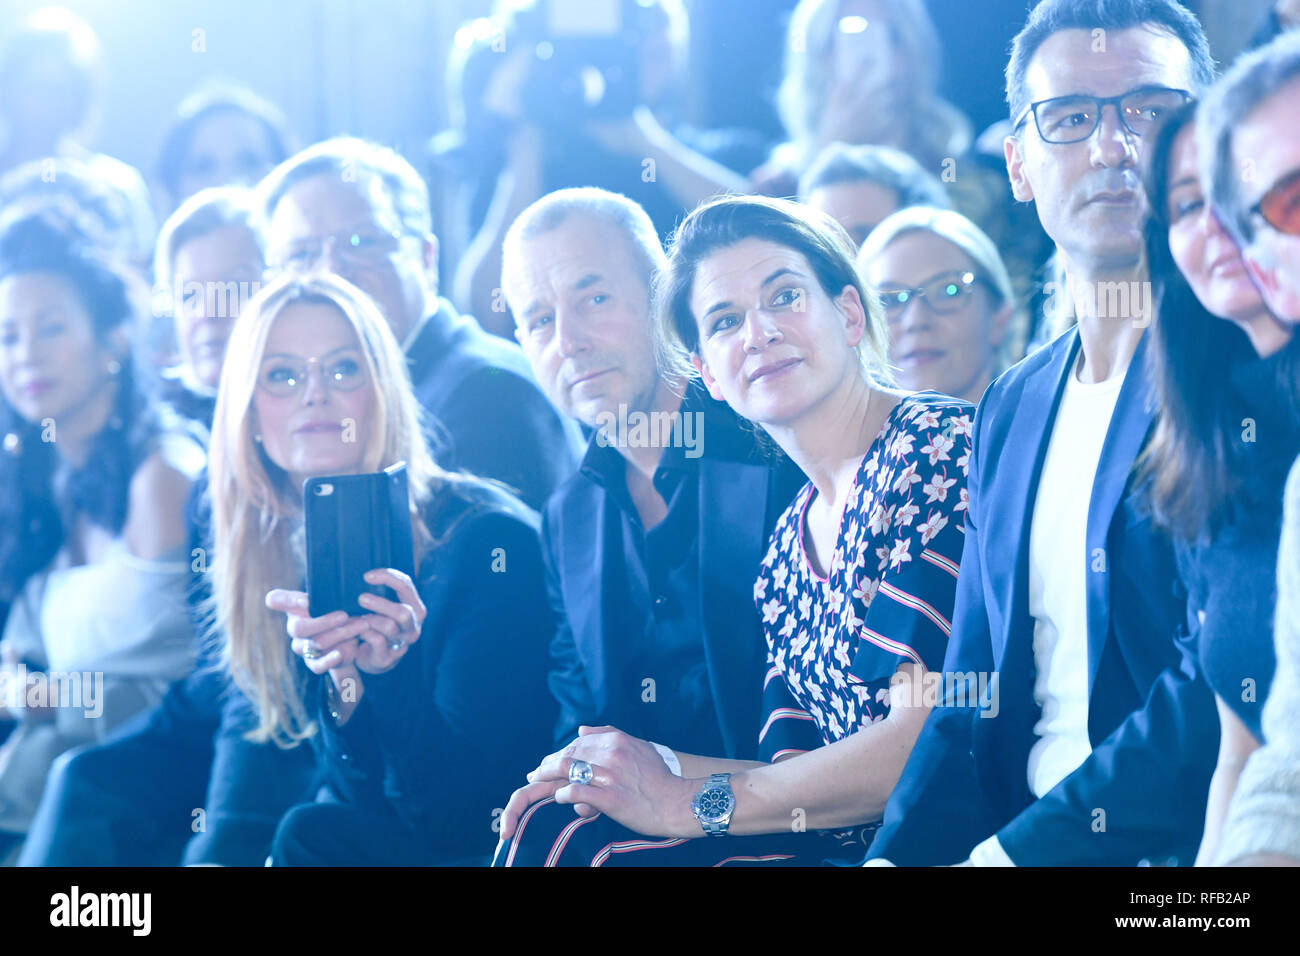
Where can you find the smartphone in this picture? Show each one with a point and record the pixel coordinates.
(355, 523)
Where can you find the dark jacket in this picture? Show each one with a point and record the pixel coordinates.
(742, 491)
(444, 737)
(1152, 722)
(489, 416)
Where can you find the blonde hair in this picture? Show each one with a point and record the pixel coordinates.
(257, 514)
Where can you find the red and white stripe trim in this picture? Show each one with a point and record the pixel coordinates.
(894, 647)
(939, 561)
(916, 604)
(631, 846)
(780, 714)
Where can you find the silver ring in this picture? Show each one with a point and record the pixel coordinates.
(580, 772)
(396, 645)
(310, 652)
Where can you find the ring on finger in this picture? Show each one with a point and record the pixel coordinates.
(580, 772)
(310, 651)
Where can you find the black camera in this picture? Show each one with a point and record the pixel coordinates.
(585, 60)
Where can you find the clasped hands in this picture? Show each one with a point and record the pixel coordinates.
(630, 783)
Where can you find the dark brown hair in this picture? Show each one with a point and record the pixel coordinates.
(1195, 456)
(729, 220)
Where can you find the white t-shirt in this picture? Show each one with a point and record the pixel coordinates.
(1059, 565)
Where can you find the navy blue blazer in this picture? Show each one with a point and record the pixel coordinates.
(490, 417)
(1152, 722)
(742, 491)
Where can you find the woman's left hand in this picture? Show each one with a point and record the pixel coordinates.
(630, 782)
(394, 625)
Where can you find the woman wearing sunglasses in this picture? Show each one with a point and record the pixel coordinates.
(413, 707)
(947, 299)
(1229, 428)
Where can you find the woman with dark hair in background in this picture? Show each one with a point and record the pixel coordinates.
(130, 800)
(222, 135)
(856, 589)
(93, 555)
(1228, 431)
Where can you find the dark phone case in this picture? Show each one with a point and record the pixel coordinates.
(355, 523)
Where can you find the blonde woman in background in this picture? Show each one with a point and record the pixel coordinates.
(947, 298)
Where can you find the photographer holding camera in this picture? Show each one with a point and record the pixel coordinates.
(557, 93)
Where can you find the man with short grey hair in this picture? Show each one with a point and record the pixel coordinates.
(1249, 140)
(361, 211)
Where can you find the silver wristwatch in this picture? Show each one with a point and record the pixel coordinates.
(714, 804)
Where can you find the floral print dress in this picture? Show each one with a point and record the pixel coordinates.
(835, 642)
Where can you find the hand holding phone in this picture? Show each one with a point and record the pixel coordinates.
(373, 642)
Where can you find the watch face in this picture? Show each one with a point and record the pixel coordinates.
(715, 803)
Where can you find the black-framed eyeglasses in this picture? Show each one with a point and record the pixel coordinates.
(1072, 119)
(943, 294)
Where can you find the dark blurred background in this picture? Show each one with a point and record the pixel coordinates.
(377, 68)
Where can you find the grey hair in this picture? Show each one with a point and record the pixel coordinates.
(885, 166)
(350, 159)
(633, 223)
(973, 241)
(810, 37)
(1253, 78)
(206, 211)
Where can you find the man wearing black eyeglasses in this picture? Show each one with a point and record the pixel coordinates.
(1100, 747)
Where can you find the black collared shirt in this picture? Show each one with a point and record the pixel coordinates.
(656, 587)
